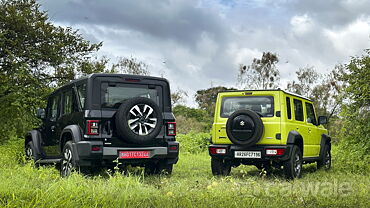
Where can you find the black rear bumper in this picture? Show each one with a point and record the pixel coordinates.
(231, 148)
(86, 156)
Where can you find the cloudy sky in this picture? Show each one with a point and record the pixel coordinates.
(197, 44)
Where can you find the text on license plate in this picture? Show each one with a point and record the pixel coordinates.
(133, 154)
(247, 154)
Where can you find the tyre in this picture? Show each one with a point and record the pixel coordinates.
(29, 150)
(220, 166)
(244, 127)
(325, 161)
(293, 166)
(139, 120)
(68, 163)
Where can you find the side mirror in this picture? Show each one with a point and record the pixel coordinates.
(323, 120)
(40, 113)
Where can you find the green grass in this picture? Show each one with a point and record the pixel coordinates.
(191, 185)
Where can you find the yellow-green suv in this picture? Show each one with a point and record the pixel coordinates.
(267, 128)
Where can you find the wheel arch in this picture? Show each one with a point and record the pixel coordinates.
(325, 140)
(70, 133)
(35, 137)
(294, 138)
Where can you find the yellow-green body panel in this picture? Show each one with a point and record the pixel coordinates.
(310, 133)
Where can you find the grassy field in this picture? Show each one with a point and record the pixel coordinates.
(191, 185)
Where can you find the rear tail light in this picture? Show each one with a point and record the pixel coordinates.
(171, 129)
(93, 127)
(217, 151)
(95, 148)
(275, 151)
(173, 147)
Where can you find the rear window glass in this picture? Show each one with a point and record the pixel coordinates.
(263, 105)
(289, 111)
(298, 110)
(113, 94)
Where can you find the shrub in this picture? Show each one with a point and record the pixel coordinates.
(186, 125)
(193, 142)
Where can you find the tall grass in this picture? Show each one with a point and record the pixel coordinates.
(191, 185)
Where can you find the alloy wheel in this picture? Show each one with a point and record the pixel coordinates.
(29, 152)
(67, 165)
(142, 120)
(327, 161)
(297, 164)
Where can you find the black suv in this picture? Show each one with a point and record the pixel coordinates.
(91, 122)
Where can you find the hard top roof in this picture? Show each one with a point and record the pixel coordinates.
(114, 75)
(290, 93)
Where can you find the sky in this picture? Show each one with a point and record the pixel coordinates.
(197, 44)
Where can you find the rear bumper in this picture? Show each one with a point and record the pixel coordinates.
(230, 152)
(85, 155)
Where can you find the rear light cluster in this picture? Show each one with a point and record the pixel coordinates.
(217, 151)
(275, 151)
(93, 127)
(171, 129)
(173, 147)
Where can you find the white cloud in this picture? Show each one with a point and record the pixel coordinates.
(301, 24)
(196, 44)
(351, 39)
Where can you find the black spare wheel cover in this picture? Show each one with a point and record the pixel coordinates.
(139, 120)
(244, 127)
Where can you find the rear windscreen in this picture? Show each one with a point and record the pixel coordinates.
(113, 94)
(263, 105)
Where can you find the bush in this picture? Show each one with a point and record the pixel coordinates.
(192, 120)
(186, 125)
(193, 142)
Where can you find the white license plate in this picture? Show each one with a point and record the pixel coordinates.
(247, 154)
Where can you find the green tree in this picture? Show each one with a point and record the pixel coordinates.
(261, 74)
(206, 99)
(178, 97)
(355, 134)
(307, 79)
(130, 66)
(35, 56)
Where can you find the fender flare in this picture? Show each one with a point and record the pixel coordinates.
(74, 131)
(35, 137)
(295, 138)
(76, 134)
(325, 139)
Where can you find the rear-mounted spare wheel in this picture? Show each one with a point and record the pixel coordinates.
(244, 127)
(139, 120)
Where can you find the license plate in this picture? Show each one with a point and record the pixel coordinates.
(247, 154)
(133, 154)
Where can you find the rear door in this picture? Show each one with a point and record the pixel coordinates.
(301, 127)
(266, 103)
(311, 122)
(50, 134)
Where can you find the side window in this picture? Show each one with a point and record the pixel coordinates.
(298, 110)
(67, 102)
(289, 110)
(311, 118)
(54, 107)
(81, 90)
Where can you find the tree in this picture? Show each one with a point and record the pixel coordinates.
(178, 97)
(130, 66)
(206, 99)
(355, 133)
(36, 56)
(307, 78)
(261, 74)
